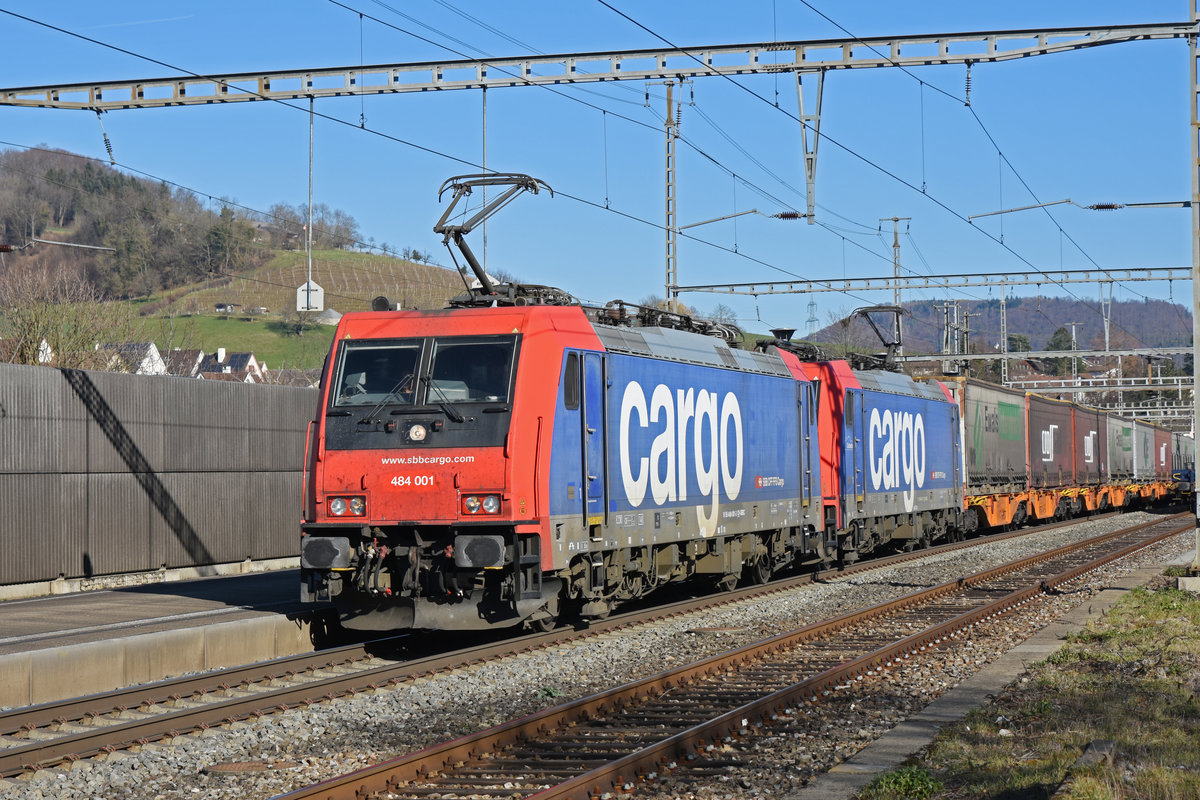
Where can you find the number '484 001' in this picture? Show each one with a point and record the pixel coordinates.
(412, 480)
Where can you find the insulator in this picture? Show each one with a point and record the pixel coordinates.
(104, 133)
(789, 215)
(1105, 206)
(968, 99)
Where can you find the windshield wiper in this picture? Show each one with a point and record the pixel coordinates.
(406, 381)
(444, 405)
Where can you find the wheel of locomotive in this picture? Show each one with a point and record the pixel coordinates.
(847, 549)
(549, 620)
(758, 571)
(325, 630)
(725, 583)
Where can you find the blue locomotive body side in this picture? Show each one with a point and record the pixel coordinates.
(900, 454)
(684, 436)
(654, 448)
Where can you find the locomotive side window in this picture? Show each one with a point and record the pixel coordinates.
(374, 373)
(571, 382)
(472, 369)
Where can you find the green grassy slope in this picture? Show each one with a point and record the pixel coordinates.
(186, 317)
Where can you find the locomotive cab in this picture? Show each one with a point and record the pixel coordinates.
(421, 507)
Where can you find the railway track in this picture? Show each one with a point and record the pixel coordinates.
(608, 742)
(40, 736)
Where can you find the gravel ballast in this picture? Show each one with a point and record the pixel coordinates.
(284, 751)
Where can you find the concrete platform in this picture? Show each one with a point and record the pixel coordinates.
(103, 640)
(910, 737)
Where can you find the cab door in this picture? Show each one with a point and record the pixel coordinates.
(957, 460)
(808, 453)
(855, 453)
(593, 441)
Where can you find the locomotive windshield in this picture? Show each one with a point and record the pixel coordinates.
(471, 369)
(371, 371)
(425, 371)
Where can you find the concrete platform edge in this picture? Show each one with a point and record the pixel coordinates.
(31, 678)
(915, 734)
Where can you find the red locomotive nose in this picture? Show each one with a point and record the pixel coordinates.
(435, 486)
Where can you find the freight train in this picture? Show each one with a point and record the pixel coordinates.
(519, 458)
(480, 467)
(1035, 458)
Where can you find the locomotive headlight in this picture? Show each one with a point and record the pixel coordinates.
(475, 503)
(418, 432)
(341, 506)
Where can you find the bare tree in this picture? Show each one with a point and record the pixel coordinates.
(176, 328)
(723, 314)
(61, 309)
(845, 333)
(674, 306)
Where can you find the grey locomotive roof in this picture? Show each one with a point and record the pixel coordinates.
(691, 348)
(881, 381)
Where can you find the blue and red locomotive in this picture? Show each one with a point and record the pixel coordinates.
(477, 467)
(518, 457)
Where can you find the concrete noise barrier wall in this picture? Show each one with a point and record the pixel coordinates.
(106, 473)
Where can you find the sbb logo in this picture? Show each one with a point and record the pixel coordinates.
(715, 446)
(896, 448)
(1089, 447)
(1048, 443)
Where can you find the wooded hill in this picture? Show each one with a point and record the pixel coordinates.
(93, 256)
(1032, 324)
(159, 236)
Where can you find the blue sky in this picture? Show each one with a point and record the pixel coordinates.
(1107, 124)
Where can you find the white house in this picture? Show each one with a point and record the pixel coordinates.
(139, 358)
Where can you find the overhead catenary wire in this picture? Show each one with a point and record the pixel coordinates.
(850, 151)
(387, 136)
(331, 118)
(685, 139)
(966, 102)
(412, 144)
